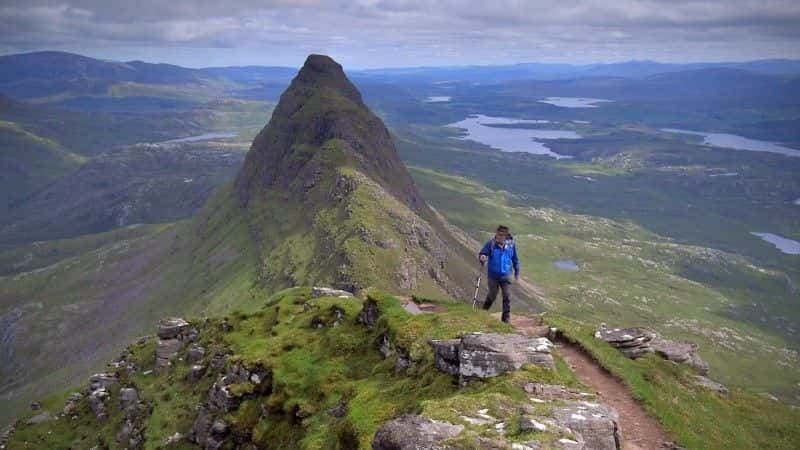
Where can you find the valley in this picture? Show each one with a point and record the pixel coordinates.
(149, 195)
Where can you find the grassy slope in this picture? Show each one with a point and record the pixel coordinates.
(658, 180)
(632, 277)
(312, 371)
(77, 309)
(29, 162)
(696, 418)
(315, 369)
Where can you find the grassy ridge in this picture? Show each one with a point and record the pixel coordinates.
(29, 162)
(630, 276)
(316, 368)
(76, 302)
(696, 417)
(313, 369)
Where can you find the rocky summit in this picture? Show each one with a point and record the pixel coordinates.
(328, 200)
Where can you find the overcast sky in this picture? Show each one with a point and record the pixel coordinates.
(382, 33)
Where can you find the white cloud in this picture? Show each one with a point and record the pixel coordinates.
(408, 32)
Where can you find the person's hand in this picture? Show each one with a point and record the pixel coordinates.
(482, 258)
(516, 277)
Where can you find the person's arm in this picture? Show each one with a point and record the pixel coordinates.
(515, 262)
(483, 255)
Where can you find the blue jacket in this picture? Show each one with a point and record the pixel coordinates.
(502, 259)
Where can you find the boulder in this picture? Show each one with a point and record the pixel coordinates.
(594, 425)
(166, 352)
(329, 292)
(484, 355)
(710, 384)
(209, 433)
(219, 427)
(97, 401)
(219, 360)
(632, 342)
(680, 352)
(384, 345)
(102, 381)
(446, 355)
(71, 406)
(196, 372)
(403, 361)
(172, 327)
(220, 397)
(201, 428)
(131, 434)
(339, 410)
(413, 432)
(128, 398)
(637, 342)
(196, 353)
(369, 313)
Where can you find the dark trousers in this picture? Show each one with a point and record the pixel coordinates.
(505, 285)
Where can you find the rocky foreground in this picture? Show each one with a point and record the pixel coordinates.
(324, 369)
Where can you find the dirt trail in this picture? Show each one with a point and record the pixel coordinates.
(640, 431)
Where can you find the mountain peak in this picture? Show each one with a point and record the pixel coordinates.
(319, 111)
(328, 199)
(321, 71)
(322, 64)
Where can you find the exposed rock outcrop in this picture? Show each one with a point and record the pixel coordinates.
(172, 327)
(637, 342)
(369, 313)
(710, 384)
(594, 425)
(413, 432)
(239, 382)
(485, 355)
(330, 292)
(173, 334)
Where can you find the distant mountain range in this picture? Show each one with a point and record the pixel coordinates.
(51, 73)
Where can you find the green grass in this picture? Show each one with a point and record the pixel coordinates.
(312, 370)
(694, 416)
(630, 276)
(315, 369)
(29, 162)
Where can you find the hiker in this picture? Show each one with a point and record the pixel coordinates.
(501, 255)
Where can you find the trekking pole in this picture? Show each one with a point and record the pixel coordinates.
(477, 286)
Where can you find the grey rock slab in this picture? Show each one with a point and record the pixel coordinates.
(128, 397)
(330, 292)
(490, 354)
(414, 432)
(195, 354)
(710, 384)
(196, 372)
(172, 327)
(595, 424)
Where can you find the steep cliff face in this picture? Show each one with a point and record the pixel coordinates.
(328, 200)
